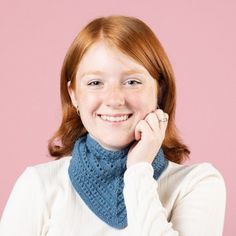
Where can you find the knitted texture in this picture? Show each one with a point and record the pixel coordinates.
(97, 174)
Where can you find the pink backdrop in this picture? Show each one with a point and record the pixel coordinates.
(199, 37)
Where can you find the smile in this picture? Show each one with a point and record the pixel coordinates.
(115, 118)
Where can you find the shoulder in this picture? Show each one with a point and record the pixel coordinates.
(45, 175)
(195, 171)
(188, 178)
(50, 171)
(52, 167)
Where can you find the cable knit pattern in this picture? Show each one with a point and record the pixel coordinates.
(97, 174)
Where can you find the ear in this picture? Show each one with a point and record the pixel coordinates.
(72, 94)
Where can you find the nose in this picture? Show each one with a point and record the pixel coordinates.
(114, 97)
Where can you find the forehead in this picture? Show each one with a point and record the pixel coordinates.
(101, 58)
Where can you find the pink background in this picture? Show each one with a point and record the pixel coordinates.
(199, 37)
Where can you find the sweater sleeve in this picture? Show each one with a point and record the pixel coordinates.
(198, 210)
(23, 213)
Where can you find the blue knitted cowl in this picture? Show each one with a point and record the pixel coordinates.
(97, 176)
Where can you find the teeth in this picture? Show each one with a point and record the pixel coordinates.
(115, 119)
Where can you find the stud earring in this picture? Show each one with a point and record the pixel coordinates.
(77, 110)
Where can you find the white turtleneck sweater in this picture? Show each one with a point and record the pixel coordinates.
(185, 200)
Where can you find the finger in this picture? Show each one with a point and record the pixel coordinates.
(153, 121)
(141, 129)
(163, 119)
(163, 124)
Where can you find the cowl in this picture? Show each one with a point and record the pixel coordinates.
(97, 174)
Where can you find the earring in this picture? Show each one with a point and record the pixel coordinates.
(77, 110)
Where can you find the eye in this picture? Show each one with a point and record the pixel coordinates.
(94, 83)
(133, 82)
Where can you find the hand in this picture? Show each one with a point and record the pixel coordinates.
(149, 134)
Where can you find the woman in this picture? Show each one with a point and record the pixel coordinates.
(119, 162)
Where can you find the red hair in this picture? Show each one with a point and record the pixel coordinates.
(134, 38)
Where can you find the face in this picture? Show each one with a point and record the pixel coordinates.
(113, 93)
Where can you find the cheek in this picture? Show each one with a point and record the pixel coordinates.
(87, 106)
(87, 101)
(146, 100)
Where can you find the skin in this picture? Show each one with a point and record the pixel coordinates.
(112, 93)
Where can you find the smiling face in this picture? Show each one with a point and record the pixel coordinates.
(113, 93)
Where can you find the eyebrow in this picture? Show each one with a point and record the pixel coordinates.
(128, 72)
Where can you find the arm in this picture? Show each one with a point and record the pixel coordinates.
(23, 214)
(198, 211)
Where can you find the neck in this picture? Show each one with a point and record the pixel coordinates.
(95, 148)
